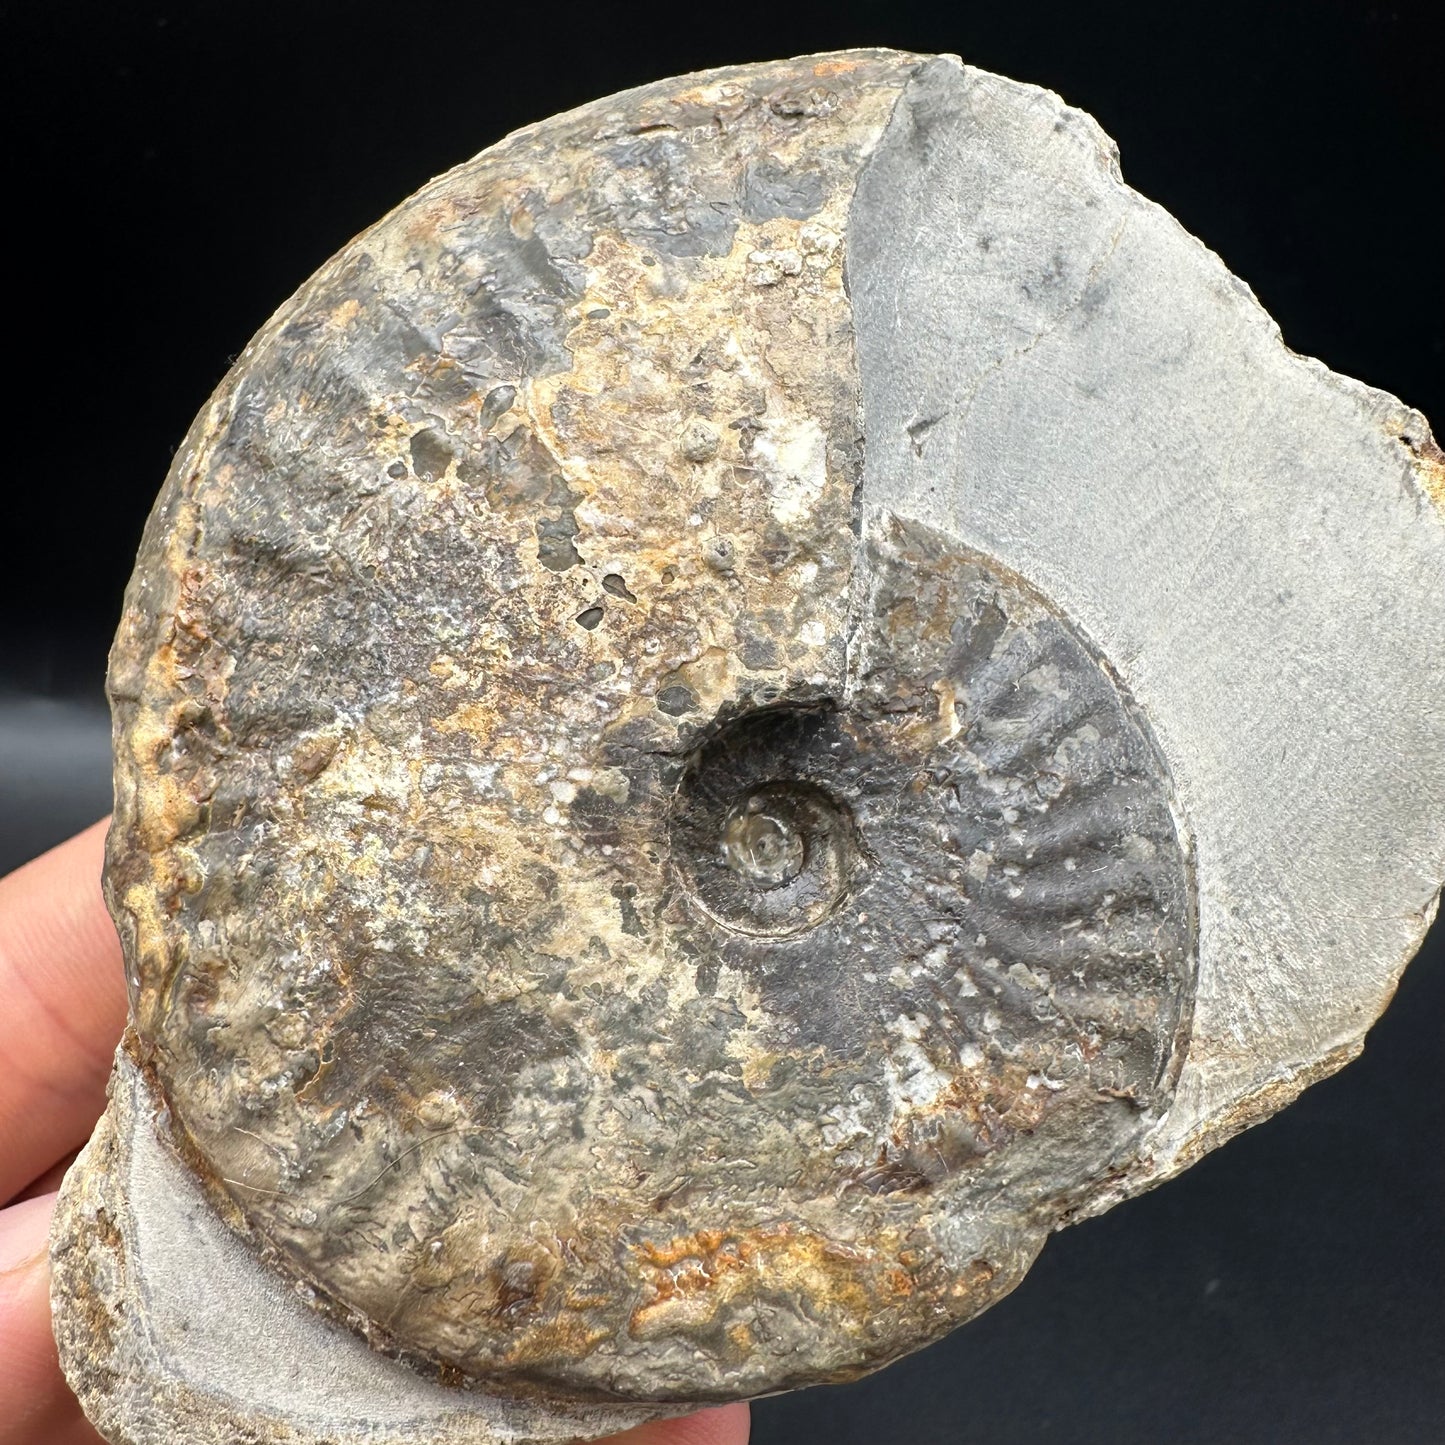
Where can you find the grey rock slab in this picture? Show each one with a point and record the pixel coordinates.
(1056, 372)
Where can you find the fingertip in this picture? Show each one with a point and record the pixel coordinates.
(718, 1425)
(725, 1425)
(63, 999)
(26, 1344)
(35, 1402)
(24, 1231)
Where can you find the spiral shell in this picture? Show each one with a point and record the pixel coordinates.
(623, 904)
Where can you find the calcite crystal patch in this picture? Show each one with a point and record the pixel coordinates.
(759, 697)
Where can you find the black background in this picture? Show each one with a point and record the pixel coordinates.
(177, 170)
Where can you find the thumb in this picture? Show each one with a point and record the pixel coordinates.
(35, 1402)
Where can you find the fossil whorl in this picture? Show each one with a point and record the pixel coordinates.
(625, 900)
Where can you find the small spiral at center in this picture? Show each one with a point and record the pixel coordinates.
(761, 844)
(763, 848)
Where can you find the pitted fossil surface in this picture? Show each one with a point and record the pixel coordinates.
(625, 986)
(633, 895)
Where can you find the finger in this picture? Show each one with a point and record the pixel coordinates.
(726, 1425)
(62, 999)
(48, 1182)
(35, 1402)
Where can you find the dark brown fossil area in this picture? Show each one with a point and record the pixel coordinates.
(615, 912)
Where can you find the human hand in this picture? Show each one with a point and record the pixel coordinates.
(62, 1009)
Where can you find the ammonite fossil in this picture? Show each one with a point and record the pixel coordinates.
(757, 698)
